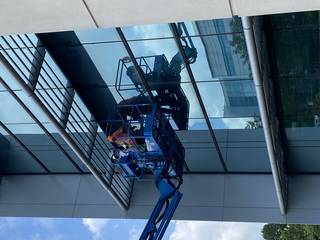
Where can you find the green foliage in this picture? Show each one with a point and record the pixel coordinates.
(272, 231)
(254, 124)
(238, 41)
(291, 232)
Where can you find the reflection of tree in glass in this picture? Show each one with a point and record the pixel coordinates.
(238, 41)
(254, 124)
(295, 40)
(291, 232)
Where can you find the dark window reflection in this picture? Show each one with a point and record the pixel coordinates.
(294, 40)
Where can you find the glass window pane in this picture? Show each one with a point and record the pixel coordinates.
(203, 159)
(19, 115)
(106, 58)
(41, 145)
(147, 31)
(229, 98)
(295, 20)
(19, 161)
(114, 65)
(97, 35)
(201, 155)
(197, 124)
(247, 151)
(300, 101)
(195, 109)
(221, 57)
(236, 123)
(163, 47)
(214, 26)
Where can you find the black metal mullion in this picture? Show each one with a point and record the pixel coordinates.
(135, 63)
(40, 124)
(89, 130)
(198, 95)
(141, 74)
(75, 102)
(25, 147)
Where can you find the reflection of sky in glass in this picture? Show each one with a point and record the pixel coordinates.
(212, 26)
(107, 55)
(106, 58)
(147, 31)
(167, 47)
(9, 80)
(215, 62)
(232, 123)
(17, 114)
(97, 35)
(105, 49)
(229, 103)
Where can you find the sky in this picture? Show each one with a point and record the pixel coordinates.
(118, 229)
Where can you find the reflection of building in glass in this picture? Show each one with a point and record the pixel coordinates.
(226, 64)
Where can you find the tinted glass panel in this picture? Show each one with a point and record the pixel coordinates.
(215, 26)
(221, 57)
(147, 31)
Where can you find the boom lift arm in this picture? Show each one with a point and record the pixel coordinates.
(168, 200)
(143, 139)
(148, 144)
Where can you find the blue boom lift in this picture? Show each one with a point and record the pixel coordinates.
(143, 139)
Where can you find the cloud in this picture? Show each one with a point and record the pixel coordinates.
(134, 233)
(46, 223)
(55, 236)
(193, 230)
(95, 226)
(7, 223)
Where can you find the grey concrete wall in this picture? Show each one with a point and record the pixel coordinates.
(248, 198)
(31, 16)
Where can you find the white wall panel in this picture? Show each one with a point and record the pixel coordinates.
(250, 191)
(124, 13)
(29, 16)
(249, 198)
(251, 214)
(17, 16)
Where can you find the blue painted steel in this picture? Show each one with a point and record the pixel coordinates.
(142, 136)
(144, 141)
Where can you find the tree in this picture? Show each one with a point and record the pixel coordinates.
(254, 124)
(291, 232)
(272, 231)
(238, 41)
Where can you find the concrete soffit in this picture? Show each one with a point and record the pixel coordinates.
(36, 16)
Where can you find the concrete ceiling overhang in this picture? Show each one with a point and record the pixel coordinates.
(37, 16)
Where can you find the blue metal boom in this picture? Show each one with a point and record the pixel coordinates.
(143, 139)
(167, 204)
(144, 142)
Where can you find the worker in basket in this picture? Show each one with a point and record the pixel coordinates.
(124, 143)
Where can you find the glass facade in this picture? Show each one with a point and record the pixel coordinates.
(220, 68)
(293, 43)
